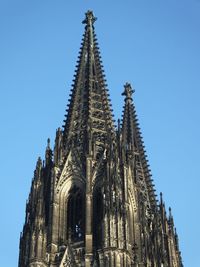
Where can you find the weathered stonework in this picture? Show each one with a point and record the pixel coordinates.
(92, 201)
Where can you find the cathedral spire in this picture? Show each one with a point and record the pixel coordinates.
(89, 118)
(92, 201)
(132, 143)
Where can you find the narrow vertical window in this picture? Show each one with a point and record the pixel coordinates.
(97, 218)
(75, 215)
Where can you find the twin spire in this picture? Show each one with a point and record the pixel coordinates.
(94, 194)
(89, 117)
(89, 120)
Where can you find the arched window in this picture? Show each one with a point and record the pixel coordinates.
(75, 215)
(97, 218)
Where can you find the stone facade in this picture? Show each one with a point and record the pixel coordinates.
(92, 201)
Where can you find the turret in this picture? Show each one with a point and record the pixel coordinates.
(48, 154)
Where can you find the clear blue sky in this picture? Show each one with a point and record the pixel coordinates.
(152, 44)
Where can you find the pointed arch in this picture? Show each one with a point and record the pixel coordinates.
(71, 200)
(75, 215)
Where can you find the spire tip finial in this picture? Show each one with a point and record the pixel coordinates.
(89, 18)
(128, 91)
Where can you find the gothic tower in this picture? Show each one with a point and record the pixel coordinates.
(92, 200)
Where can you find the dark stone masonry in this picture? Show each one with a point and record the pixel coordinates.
(92, 200)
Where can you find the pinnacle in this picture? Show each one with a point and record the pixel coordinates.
(39, 161)
(48, 143)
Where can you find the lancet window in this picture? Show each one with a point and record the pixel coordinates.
(76, 215)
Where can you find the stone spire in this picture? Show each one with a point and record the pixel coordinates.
(89, 119)
(132, 143)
